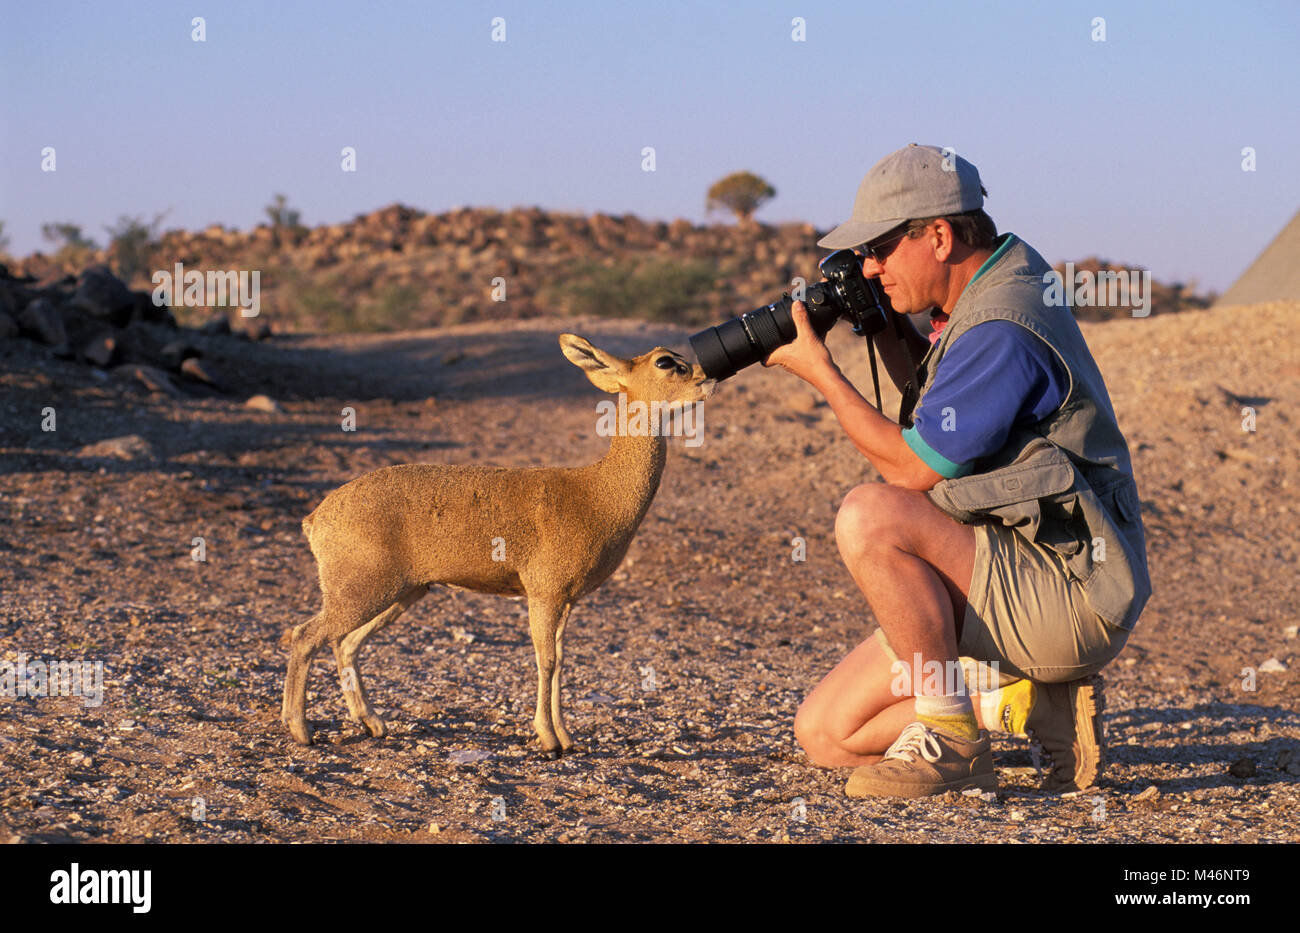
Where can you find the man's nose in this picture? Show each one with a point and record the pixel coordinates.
(870, 268)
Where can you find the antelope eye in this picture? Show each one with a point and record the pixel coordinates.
(665, 362)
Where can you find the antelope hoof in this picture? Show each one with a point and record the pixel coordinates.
(375, 726)
(551, 753)
(300, 731)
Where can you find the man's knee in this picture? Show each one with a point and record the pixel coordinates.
(810, 733)
(868, 518)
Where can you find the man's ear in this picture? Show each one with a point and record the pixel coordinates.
(947, 240)
(603, 369)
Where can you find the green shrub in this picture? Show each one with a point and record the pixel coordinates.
(654, 288)
(131, 246)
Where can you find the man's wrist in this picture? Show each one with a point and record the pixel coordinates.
(825, 376)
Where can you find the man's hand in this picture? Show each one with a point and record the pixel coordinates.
(806, 356)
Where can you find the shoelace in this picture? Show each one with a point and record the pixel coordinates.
(914, 739)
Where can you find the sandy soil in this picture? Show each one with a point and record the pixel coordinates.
(97, 566)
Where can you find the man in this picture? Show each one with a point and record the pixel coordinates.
(1006, 537)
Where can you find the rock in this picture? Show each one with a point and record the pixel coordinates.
(1150, 793)
(13, 297)
(261, 332)
(146, 310)
(103, 295)
(1243, 768)
(177, 352)
(8, 326)
(200, 372)
(1272, 666)
(42, 321)
(217, 326)
(468, 756)
(129, 447)
(152, 378)
(264, 403)
(100, 350)
(1291, 631)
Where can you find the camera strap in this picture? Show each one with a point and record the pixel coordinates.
(911, 391)
(875, 377)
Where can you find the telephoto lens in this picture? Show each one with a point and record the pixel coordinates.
(726, 349)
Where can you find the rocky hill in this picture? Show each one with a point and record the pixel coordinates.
(400, 268)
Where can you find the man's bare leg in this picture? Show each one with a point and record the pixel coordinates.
(914, 565)
(853, 716)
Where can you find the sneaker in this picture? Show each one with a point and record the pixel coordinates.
(1066, 724)
(926, 761)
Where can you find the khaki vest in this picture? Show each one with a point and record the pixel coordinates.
(1066, 483)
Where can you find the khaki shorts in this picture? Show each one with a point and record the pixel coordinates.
(1025, 613)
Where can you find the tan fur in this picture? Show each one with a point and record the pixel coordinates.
(383, 538)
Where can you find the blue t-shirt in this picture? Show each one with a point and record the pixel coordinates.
(994, 377)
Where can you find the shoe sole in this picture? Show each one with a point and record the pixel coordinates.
(861, 787)
(1088, 702)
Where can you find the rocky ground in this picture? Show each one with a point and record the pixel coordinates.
(683, 672)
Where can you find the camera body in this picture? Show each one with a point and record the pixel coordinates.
(732, 345)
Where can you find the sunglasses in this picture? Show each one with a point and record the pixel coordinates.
(876, 251)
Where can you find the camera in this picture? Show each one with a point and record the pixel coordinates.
(731, 346)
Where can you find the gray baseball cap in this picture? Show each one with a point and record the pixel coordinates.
(916, 181)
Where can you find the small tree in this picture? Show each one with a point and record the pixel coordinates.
(4, 240)
(72, 246)
(131, 245)
(67, 236)
(285, 221)
(742, 193)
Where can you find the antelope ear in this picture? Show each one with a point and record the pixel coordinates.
(603, 369)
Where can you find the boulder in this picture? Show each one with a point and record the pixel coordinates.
(152, 378)
(42, 321)
(13, 297)
(201, 372)
(146, 310)
(176, 353)
(8, 326)
(104, 296)
(217, 326)
(100, 350)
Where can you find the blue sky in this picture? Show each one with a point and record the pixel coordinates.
(1128, 148)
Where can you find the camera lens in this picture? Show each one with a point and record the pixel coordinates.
(732, 345)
